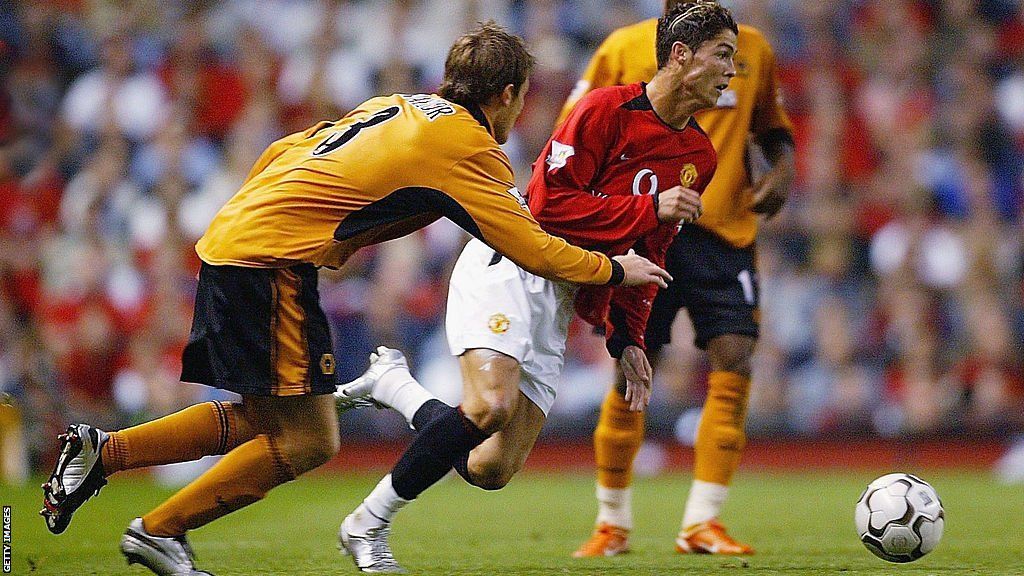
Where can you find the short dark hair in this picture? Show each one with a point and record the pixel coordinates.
(691, 23)
(481, 63)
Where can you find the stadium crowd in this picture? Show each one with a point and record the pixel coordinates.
(893, 281)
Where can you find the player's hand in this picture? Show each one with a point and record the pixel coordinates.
(640, 271)
(679, 204)
(772, 179)
(770, 194)
(639, 375)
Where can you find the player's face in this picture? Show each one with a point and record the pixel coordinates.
(509, 113)
(712, 67)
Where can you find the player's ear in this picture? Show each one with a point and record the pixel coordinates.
(508, 95)
(681, 53)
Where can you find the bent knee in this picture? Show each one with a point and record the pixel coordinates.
(491, 388)
(731, 353)
(491, 417)
(309, 451)
(492, 477)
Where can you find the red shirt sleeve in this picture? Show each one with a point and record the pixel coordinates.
(561, 193)
(623, 312)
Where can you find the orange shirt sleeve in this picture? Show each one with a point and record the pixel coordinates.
(769, 113)
(503, 221)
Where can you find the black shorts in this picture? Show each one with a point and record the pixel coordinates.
(260, 331)
(716, 283)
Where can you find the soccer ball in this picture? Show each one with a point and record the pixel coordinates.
(899, 517)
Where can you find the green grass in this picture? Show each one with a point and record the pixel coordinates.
(801, 523)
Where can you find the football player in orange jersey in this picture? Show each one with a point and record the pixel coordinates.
(713, 265)
(595, 183)
(388, 168)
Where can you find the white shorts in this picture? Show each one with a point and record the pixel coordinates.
(494, 304)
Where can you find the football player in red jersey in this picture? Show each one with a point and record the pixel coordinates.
(627, 166)
(714, 268)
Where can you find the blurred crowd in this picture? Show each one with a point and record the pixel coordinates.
(892, 282)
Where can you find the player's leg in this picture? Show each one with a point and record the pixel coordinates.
(723, 308)
(301, 433)
(490, 400)
(387, 383)
(617, 440)
(88, 455)
(720, 440)
(619, 435)
(490, 388)
(262, 334)
(493, 463)
(232, 305)
(493, 309)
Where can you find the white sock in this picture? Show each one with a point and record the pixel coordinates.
(615, 506)
(378, 509)
(398, 389)
(704, 502)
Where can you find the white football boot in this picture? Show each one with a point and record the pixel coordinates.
(359, 393)
(370, 551)
(76, 477)
(164, 556)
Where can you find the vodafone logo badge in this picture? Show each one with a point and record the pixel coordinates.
(645, 182)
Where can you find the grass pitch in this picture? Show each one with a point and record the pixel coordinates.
(801, 523)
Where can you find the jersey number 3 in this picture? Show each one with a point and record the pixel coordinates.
(335, 141)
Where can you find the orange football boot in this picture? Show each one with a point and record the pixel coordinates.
(709, 538)
(607, 540)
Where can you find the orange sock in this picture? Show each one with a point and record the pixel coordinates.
(720, 435)
(200, 430)
(617, 439)
(242, 477)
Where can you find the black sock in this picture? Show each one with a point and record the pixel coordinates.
(441, 442)
(425, 415)
(461, 466)
(427, 412)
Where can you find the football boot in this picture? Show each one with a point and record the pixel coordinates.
(371, 551)
(709, 537)
(77, 475)
(607, 540)
(164, 556)
(359, 392)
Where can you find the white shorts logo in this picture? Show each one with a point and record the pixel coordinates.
(498, 323)
(560, 154)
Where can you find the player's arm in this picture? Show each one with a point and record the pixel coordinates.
(639, 375)
(773, 133)
(490, 207)
(628, 317)
(560, 191)
(628, 314)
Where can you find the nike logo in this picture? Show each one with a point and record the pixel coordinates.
(623, 157)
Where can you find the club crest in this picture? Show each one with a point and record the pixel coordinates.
(688, 175)
(498, 323)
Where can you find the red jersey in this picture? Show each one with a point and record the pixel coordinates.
(594, 185)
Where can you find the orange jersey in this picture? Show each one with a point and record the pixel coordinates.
(750, 104)
(388, 168)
